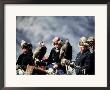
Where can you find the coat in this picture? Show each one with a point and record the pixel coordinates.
(84, 60)
(24, 60)
(91, 70)
(54, 56)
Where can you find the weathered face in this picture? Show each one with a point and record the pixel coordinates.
(82, 48)
(24, 50)
(56, 45)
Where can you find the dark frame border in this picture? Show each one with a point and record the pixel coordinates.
(2, 49)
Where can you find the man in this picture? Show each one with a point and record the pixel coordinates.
(54, 55)
(83, 59)
(26, 57)
(91, 42)
(55, 52)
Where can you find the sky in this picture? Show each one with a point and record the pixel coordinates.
(34, 29)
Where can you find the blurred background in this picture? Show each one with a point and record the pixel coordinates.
(34, 29)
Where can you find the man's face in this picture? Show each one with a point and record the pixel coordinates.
(82, 48)
(25, 51)
(58, 46)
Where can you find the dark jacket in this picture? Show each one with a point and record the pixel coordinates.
(24, 60)
(54, 56)
(84, 61)
(91, 70)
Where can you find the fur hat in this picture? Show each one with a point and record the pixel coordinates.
(83, 39)
(56, 39)
(91, 41)
(83, 42)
